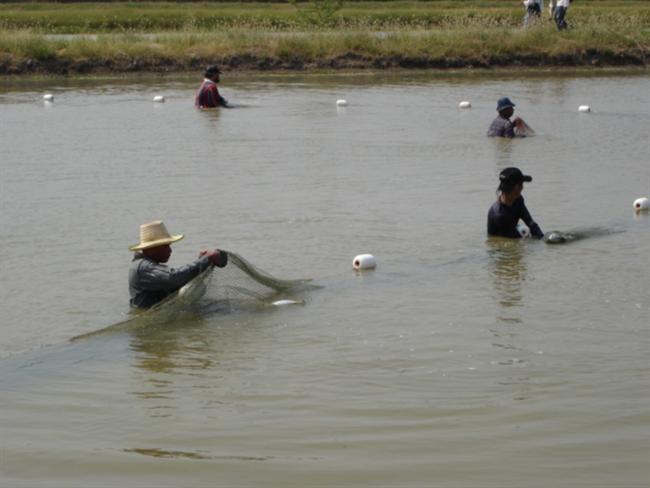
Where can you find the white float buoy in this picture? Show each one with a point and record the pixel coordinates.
(642, 204)
(48, 97)
(159, 99)
(584, 108)
(282, 303)
(523, 230)
(364, 261)
(465, 104)
(341, 103)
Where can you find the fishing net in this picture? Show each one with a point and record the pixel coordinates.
(522, 129)
(564, 237)
(238, 286)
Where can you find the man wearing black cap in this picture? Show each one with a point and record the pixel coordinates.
(208, 94)
(502, 126)
(505, 213)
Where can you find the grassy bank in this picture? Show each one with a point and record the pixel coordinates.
(172, 37)
(77, 18)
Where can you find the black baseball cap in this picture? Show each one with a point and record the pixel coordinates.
(212, 70)
(514, 175)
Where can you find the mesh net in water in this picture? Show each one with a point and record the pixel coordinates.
(237, 286)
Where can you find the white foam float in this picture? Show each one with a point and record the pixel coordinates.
(364, 261)
(341, 103)
(159, 99)
(48, 97)
(584, 108)
(284, 303)
(465, 104)
(523, 230)
(642, 204)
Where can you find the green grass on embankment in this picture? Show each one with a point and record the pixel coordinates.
(179, 36)
(120, 17)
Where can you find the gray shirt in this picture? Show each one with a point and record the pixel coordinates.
(501, 127)
(151, 282)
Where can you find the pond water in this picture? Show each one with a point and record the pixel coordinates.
(460, 361)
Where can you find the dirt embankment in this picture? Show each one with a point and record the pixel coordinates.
(248, 62)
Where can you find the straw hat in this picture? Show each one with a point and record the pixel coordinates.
(154, 234)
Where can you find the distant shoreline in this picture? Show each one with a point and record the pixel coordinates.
(43, 38)
(346, 62)
(591, 58)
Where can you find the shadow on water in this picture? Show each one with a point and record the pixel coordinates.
(194, 455)
(195, 354)
(503, 148)
(183, 344)
(508, 270)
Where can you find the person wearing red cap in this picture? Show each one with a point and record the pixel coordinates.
(150, 279)
(509, 208)
(208, 95)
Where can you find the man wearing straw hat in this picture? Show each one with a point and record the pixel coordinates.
(150, 280)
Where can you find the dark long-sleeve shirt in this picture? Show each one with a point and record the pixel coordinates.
(502, 220)
(501, 127)
(208, 96)
(151, 282)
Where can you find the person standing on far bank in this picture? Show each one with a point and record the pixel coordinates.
(208, 94)
(533, 11)
(505, 213)
(560, 12)
(150, 279)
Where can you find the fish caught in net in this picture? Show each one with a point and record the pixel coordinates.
(238, 286)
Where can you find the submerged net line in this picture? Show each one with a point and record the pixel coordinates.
(579, 233)
(238, 286)
(264, 278)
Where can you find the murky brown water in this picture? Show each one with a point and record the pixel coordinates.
(458, 362)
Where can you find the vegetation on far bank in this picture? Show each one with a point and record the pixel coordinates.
(100, 37)
(77, 18)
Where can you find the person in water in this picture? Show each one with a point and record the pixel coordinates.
(150, 279)
(502, 126)
(505, 213)
(208, 94)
